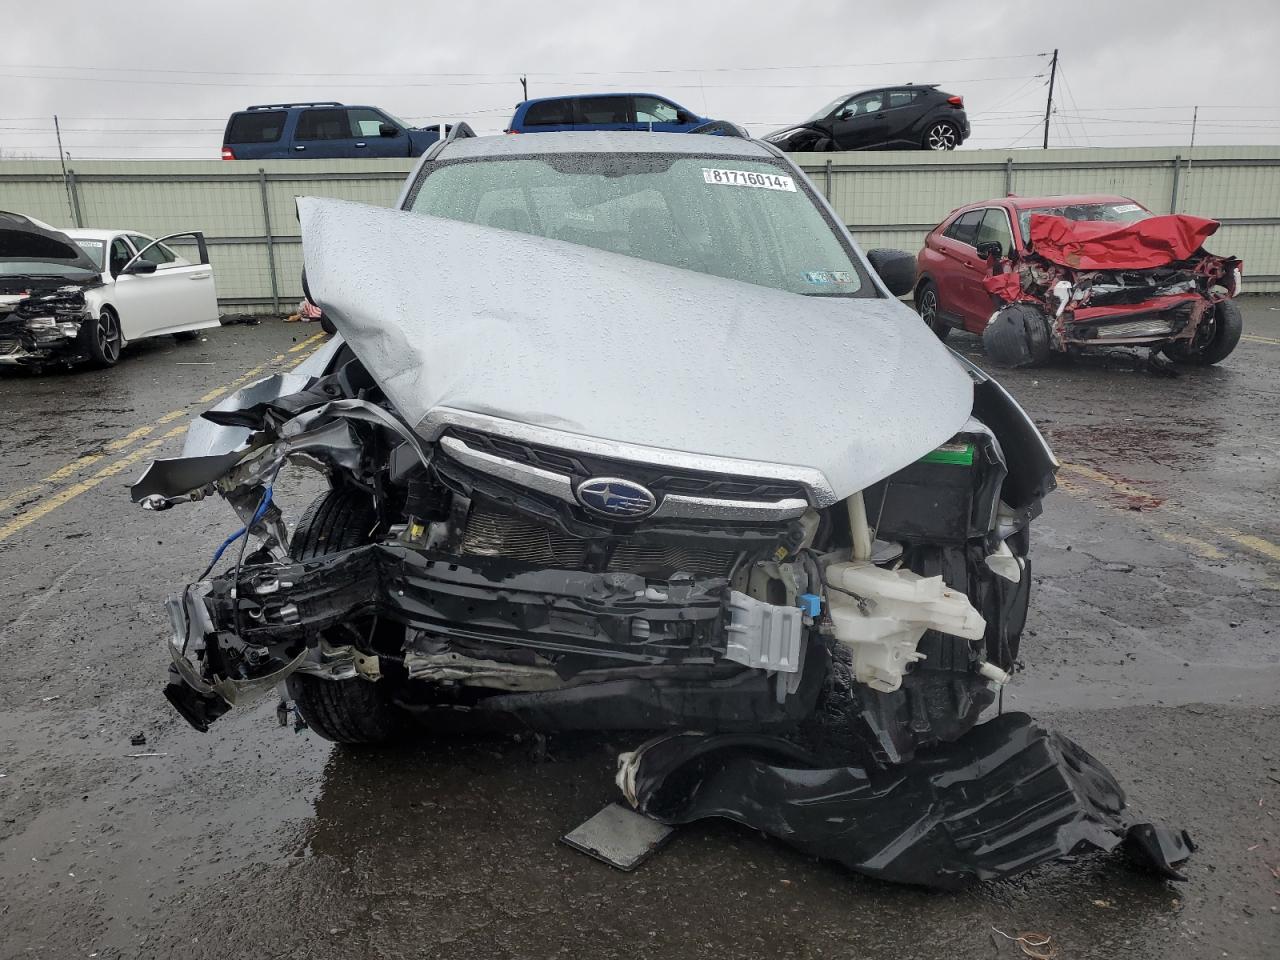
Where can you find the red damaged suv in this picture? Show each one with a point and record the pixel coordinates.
(1043, 275)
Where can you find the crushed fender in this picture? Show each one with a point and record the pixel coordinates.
(1007, 796)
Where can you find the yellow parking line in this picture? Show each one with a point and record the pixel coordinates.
(1119, 486)
(1251, 542)
(305, 343)
(1252, 339)
(115, 446)
(1197, 546)
(45, 507)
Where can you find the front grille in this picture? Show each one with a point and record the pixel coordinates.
(1153, 327)
(496, 533)
(660, 479)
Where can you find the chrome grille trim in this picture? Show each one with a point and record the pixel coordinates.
(438, 420)
(708, 508)
(555, 484)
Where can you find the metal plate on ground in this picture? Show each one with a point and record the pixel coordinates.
(619, 836)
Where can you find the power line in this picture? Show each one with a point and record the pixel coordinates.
(508, 73)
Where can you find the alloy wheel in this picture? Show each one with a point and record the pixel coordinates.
(108, 333)
(942, 136)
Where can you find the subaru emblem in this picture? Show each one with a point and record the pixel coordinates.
(616, 498)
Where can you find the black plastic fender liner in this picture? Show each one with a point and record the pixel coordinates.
(1018, 336)
(1004, 798)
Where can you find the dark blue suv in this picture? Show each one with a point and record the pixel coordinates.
(604, 111)
(281, 131)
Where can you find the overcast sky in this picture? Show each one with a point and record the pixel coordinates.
(158, 80)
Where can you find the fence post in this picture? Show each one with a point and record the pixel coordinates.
(826, 191)
(271, 250)
(1008, 176)
(74, 192)
(1173, 197)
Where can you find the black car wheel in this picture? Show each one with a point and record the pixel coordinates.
(344, 711)
(1216, 339)
(941, 135)
(100, 338)
(927, 306)
(186, 336)
(1018, 336)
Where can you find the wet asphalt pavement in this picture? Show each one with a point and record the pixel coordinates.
(1152, 640)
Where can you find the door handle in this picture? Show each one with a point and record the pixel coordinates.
(299, 147)
(200, 276)
(361, 144)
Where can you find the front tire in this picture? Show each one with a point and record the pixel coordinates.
(1018, 336)
(1226, 328)
(101, 340)
(926, 300)
(941, 135)
(354, 711)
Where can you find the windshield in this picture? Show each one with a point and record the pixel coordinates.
(746, 220)
(42, 268)
(1120, 211)
(94, 250)
(828, 109)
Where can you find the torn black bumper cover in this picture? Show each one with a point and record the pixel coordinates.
(1006, 797)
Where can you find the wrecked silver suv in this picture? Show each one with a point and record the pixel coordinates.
(623, 432)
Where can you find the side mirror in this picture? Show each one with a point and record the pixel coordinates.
(844, 114)
(990, 248)
(388, 130)
(138, 267)
(896, 269)
(684, 116)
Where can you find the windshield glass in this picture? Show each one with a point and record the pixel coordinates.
(828, 109)
(1123, 211)
(746, 220)
(94, 250)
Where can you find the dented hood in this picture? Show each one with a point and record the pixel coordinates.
(23, 240)
(557, 335)
(1101, 245)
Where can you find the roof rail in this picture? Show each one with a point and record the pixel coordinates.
(286, 106)
(459, 131)
(722, 128)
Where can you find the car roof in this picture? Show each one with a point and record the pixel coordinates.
(604, 141)
(579, 96)
(77, 233)
(1031, 203)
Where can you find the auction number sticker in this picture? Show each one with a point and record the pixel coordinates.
(1128, 208)
(748, 178)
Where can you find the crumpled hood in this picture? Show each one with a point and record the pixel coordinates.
(446, 314)
(1100, 245)
(23, 239)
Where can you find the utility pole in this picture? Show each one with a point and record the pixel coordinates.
(1195, 115)
(524, 85)
(1048, 107)
(62, 159)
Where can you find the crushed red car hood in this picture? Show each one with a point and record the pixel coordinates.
(1097, 245)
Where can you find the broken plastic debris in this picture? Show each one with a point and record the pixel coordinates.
(1007, 796)
(618, 836)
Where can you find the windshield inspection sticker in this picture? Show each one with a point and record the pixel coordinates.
(746, 178)
(829, 276)
(1127, 208)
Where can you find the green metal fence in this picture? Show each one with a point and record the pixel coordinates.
(247, 213)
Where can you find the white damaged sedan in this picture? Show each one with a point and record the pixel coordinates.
(81, 295)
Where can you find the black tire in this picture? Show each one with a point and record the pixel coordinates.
(327, 325)
(1225, 330)
(926, 301)
(100, 339)
(345, 711)
(940, 135)
(1018, 336)
(186, 336)
(337, 520)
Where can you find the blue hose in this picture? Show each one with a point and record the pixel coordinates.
(258, 514)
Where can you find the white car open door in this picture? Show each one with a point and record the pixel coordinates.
(156, 298)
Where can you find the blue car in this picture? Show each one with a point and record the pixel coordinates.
(303, 131)
(604, 111)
